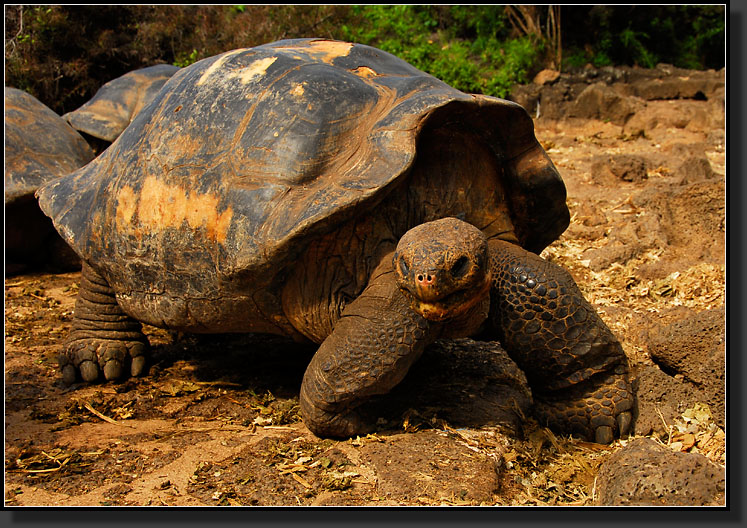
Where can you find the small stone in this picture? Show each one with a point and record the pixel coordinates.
(546, 76)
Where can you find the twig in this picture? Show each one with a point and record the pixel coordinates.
(50, 470)
(667, 426)
(105, 418)
(594, 488)
(218, 383)
(20, 30)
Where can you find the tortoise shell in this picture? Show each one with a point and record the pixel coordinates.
(243, 157)
(39, 146)
(116, 103)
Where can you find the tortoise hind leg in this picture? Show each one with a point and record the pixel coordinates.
(576, 367)
(103, 338)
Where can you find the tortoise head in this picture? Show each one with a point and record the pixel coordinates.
(443, 268)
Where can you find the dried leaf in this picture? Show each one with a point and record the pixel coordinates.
(300, 480)
(688, 441)
(699, 413)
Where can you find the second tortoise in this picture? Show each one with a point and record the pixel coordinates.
(39, 146)
(117, 102)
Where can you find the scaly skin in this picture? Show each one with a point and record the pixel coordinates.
(576, 367)
(574, 364)
(103, 340)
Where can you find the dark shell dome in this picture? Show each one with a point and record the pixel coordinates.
(243, 155)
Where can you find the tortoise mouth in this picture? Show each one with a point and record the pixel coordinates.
(450, 306)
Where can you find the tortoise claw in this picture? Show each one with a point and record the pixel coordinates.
(112, 369)
(93, 357)
(604, 435)
(138, 365)
(69, 374)
(590, 412)
(325, 423)
(89, 371)
(624, 420)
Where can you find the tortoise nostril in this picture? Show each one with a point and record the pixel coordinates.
(425, 278)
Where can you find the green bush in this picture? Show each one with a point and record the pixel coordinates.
(644, 35)
(467, 47)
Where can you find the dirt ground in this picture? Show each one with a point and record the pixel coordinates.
(216, 421)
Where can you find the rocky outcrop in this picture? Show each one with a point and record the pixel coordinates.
(618, 94)
(693, 350)
(647, 473)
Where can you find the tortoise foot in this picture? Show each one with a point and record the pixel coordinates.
(599, 411)
(331, 424)
(91, 359)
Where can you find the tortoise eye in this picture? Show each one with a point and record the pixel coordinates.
(460, 267)
(403, 268)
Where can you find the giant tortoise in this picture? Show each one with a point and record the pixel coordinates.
(39, 146)
(332, 192)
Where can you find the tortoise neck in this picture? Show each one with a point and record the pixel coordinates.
(457, 174)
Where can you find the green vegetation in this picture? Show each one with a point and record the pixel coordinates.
(686, 36)
(63, 53)
(465, 46)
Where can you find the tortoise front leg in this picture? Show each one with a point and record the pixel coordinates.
(103, 338)
(576, 367)
(371, 348)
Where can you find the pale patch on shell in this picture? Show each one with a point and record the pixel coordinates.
(218, 64)
(298, 90)
(161, 205)
(126, 206)
(365, 72)
(324, 50)
(254, 70)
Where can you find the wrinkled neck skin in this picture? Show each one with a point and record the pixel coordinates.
(468, 323)
(444, 182)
